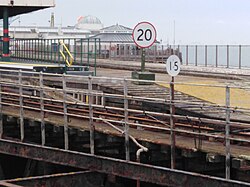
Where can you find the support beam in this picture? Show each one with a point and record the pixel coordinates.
(84, 178)
(6, 184)
(17, 7)
(132, 170)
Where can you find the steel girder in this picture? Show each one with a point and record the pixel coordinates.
(132, 170)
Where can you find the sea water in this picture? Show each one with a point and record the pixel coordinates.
(233, 55)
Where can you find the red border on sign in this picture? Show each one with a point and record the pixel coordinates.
(134, 31)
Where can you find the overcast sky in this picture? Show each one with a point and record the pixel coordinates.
(196, 21)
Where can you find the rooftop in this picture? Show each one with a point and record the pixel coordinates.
(44, 29)
(116, 29)
(24, 6)
(115, 38)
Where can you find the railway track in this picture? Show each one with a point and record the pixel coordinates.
(197, 128)
(199, 125)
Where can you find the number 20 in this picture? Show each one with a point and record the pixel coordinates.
(148, 35)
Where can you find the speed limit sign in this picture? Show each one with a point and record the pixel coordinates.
(144, 34)
(173, 65)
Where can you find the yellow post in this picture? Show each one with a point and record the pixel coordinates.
(68, 62)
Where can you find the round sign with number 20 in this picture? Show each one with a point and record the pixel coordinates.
(144, 34)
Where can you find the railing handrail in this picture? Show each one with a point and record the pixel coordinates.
(68, 63)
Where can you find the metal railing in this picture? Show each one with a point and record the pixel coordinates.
(31, 85)
(84, 50)
(228, 56)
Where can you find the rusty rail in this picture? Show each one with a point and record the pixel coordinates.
(25, 99)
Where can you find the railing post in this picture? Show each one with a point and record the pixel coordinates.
(196, 55)
(1, 114)
(120, 51)
(205, 55)
(126, 128)
(88, 57)
(110, 47)
(28, 51)
(178, 54)
(81, 53)
(100, 47)
(66, 137)
(21, 113)
(51, 51)
(187, 55)
(239, 56)
(95, 54)
(228, 164)
(17, 48)
(69, 43)
(57, 51)
(39, 50)
(162, 53)
(91, 122)
(75, 50)
(24, 49)
(227, 56)
(42, 108)
(32, 49)
(35, 50)
(172, 124)
(216, 56)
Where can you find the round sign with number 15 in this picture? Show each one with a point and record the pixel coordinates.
(173, 65)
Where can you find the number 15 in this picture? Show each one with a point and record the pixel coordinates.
(175, 66)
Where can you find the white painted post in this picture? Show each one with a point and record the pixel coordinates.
(228, 164)
(66, 137)
(126, 128)
(91, 122)
(42, 108)
(21, 112)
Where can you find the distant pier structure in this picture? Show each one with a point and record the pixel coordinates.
(10, 8)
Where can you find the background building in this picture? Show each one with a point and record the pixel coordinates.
(115, 34)
(91, 23)
(86, 27)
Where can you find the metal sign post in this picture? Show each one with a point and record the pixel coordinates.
(144, 36)
(173, 65)
(172, 124)
(143, 55)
